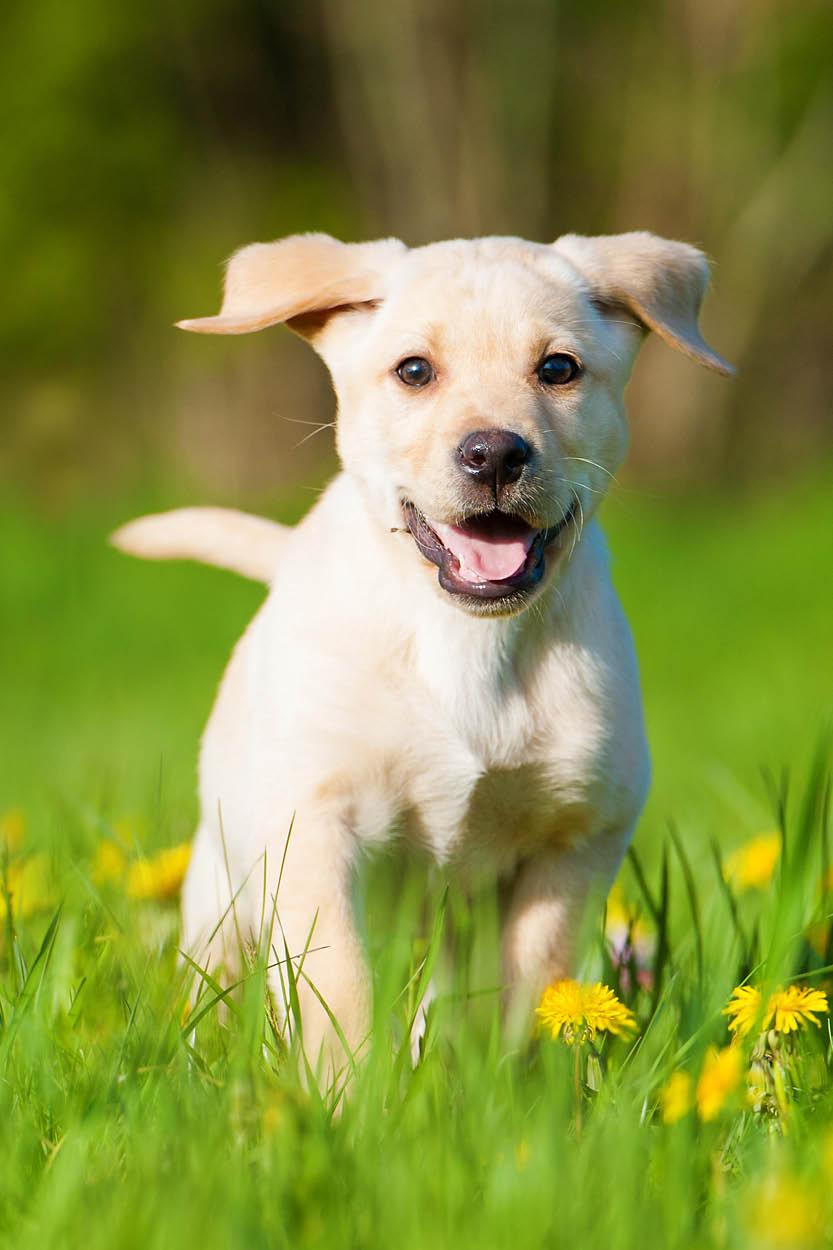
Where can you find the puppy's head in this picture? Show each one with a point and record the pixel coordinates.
(480, 382)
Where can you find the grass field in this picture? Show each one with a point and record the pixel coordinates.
(123, 1126)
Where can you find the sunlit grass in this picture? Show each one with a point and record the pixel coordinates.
(141, 1105)
(114, 1096)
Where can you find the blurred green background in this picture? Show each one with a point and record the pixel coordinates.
(147, 141)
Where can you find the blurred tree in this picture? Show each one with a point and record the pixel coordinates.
(146, 141)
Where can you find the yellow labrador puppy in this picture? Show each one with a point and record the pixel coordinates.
(441, 655)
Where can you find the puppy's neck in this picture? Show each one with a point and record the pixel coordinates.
(479, 671)
(482, 670)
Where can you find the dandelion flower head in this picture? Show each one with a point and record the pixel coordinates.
(161, 875)
(751, 866)
(578, 1012)
(787, 1010)
(676, 1097)
(719, 1079)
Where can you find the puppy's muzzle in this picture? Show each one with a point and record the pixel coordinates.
(494, 556)
(493, 459)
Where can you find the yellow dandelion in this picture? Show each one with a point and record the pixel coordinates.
(676, 1097)
(110, 863)
(784, 1212)
(743, 1009)
(159, 876)
(719, 1078)
(630, 939)
(751, 866)
(624, 924)
(604, 1012)
(791, 1009)
(560, 1009)
(787, 1010)
(577, 1012)
(12, 828)
(29, 887)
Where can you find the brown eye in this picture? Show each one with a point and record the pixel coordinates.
(415, 371)
(558, 369)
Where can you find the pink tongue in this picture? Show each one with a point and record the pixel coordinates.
(482, 557)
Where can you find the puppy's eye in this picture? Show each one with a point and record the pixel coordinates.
(558, 369)
(415, 371)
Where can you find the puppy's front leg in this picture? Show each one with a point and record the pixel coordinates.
(544, 914)
(314, 916)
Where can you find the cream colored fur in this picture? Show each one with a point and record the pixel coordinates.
(228, 539)
(363, 702)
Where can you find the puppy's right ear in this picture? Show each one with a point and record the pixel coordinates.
(301, 281)
(661, 283)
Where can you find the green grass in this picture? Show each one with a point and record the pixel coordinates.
(119, 1128)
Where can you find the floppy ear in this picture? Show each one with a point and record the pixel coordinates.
(300, 280)
(661, 283)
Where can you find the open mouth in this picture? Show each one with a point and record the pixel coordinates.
(493, 555)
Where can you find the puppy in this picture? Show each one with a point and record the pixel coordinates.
(441, 656)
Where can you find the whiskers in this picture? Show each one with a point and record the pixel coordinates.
(318, 426)
(595, 464)
(568, 481)
(621, 488)
(578, 530)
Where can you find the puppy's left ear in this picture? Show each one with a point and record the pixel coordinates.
(659, 282)
(300, 281)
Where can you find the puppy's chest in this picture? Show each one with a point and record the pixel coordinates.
(500, 791)
(490, 822)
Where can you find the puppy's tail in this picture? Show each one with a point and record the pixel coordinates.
(249, 545)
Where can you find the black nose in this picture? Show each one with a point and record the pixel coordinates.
(494, 457)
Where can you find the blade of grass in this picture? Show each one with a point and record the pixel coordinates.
(693, 903)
